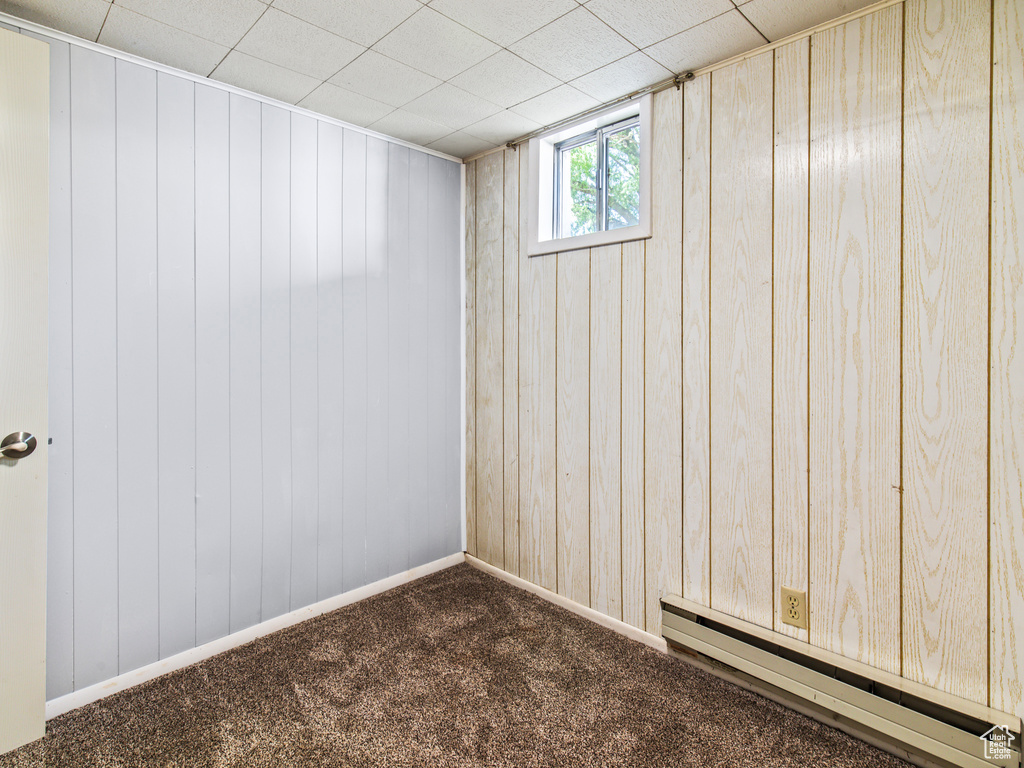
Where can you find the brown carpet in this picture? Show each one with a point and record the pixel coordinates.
(456, 669)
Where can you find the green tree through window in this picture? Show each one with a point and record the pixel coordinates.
(594, 206)
(623, 174)
(583, 189)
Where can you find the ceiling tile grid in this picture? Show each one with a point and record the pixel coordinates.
(297, 45)
(141, 35)
(459, 76)
(716, 39)
(505, 79)
(452, 106)
(361, 21)
(435, 44)
(498, 127)
(82, 18)
(409, 127)
(556, 104)
(780, 18)
(645, 22)
(223, 22)
(628, 74)
(501, 21)
(460, 144)
(573, 45)
(252, 74)
(375, 75)
(339, 103)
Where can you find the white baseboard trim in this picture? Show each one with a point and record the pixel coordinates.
(80, 698)
(658, 643)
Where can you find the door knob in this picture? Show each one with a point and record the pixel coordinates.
(17, 445)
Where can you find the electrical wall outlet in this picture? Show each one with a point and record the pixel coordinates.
(794, 608)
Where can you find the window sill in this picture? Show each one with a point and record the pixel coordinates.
(594, 240)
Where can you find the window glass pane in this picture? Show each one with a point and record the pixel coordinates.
(579, 190)
(622, 207)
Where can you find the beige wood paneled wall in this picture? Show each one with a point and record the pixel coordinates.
(811, 376)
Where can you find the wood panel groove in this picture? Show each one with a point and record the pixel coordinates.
(94, 365)
(945, 307)
(663, 415)
(383, 477)
(275, 350)
(244, 361)
(605, 427)
(740, 335)
(632, 425)
(558, 537)
(789, 316)
(510, 363)
(213, 370)
(304, 352)
(538, 479)
(470, 330)
(60, 542)
(854, 363)
(137, 366)
(1006, 365)
(176, 401)
(490, 355)
(572, 436)
(354, 496)
(696, 340)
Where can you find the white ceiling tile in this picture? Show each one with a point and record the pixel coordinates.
(451, 106)
(263, 77)
(409, 127)
(345, 105)
(778, 18)
(573, 45)
(557, 104)
(505, 79)
(502, 127)
(624, 76)
(435, 44)
(130, 32)
(460, 144)
(298, 45)
(224, 21)
(384, 79)
(502, 21)
(645, 22)
(82, 18)
(724, 36)
(364, 21)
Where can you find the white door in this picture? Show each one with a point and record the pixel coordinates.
(24, 203)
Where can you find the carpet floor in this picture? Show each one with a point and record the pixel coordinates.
(455, 669)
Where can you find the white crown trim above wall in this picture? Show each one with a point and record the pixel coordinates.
(39, 29)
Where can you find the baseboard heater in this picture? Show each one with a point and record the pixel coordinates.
(917, 722)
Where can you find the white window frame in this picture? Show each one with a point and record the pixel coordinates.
(541, 209)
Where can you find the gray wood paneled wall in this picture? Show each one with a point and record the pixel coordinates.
(254, 363)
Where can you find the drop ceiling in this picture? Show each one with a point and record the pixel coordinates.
(459, 76)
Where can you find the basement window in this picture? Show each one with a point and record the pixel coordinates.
(590, 181)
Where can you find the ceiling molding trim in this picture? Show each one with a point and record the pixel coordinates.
(39, 29)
